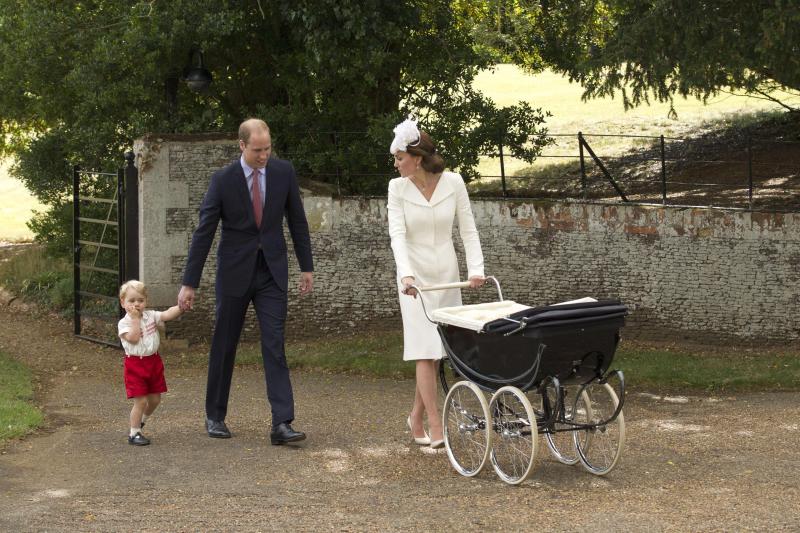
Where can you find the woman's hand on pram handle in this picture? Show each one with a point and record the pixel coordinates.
(408, 286)
(476, 282)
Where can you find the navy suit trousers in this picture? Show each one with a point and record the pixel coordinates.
(270, 304)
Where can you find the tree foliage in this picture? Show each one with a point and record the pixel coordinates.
(79, 80)
(653, 48)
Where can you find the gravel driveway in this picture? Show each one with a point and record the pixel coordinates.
(694, 463)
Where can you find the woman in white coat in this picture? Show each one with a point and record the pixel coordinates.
(422, 206)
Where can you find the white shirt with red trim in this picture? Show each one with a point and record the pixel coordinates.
(149, 341)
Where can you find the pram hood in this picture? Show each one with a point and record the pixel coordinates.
(573, 312)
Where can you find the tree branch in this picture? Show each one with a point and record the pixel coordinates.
(764, 96)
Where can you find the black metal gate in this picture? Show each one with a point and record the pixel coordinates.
(105, 247)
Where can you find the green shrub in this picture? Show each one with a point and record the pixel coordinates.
(62, 293)
(34, 275)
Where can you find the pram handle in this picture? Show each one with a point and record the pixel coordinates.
(460, 285)
(442, 286)
(454, 285)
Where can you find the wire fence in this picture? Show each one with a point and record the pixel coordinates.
(740, 172)
(750, 173)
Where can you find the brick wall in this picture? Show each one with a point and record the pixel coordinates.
(686, 273)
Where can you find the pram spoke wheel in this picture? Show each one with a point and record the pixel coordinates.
(514, 443)
(600, 443)
(467, 428)
(561, 441)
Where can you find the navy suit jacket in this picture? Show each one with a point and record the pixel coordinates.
(228, 200)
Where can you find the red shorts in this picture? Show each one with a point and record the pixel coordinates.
(144, 375)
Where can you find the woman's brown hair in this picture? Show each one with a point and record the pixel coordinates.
(431, 160)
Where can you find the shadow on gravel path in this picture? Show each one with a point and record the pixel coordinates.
(695, 463)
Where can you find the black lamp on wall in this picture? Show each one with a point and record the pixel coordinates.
(196, 75)
(197, 78)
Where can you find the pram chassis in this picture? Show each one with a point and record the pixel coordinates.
(572, 397)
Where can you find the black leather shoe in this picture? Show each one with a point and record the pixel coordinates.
(138, 440)
(283, 434)
(217, 429)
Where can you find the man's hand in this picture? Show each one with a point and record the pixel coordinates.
(186, 298)
(306, 283)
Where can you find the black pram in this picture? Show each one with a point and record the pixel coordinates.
(546, 370)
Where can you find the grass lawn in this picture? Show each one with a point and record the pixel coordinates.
(18, 415)
(377, 354)
(508, 84)
(646, 367)
(736, 371)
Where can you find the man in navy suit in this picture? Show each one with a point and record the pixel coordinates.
(250, 196)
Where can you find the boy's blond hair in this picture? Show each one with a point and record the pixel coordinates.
(134, 284)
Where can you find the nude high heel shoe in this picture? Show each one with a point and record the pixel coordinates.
(422, 441)
(436, 444)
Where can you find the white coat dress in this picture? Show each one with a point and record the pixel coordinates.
(421, 232)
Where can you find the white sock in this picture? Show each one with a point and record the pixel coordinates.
(134, 431)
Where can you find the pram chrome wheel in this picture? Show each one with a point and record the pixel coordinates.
(600, 445)
(467, 428)
(514, 443)
(561, 441)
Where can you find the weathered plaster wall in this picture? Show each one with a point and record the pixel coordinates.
(703, 274)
